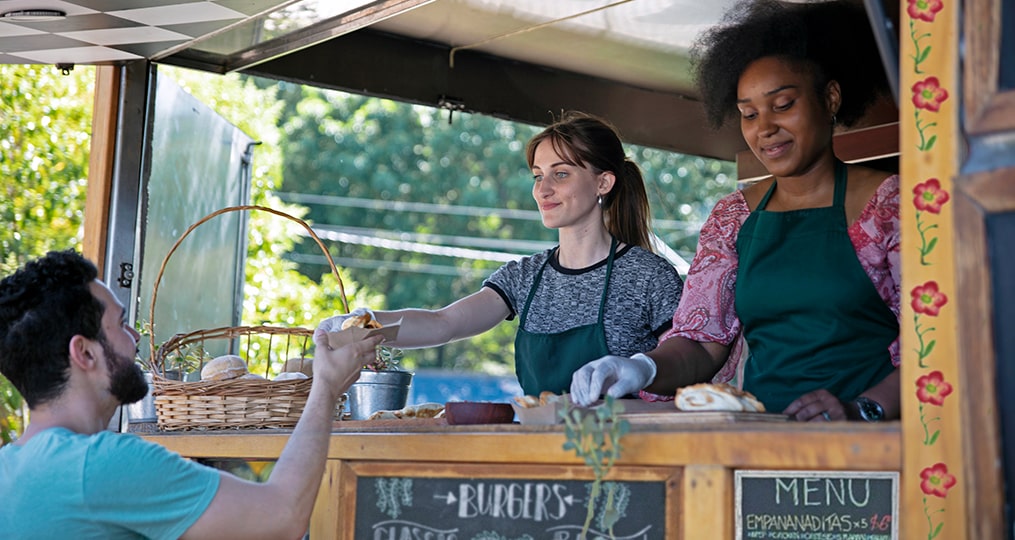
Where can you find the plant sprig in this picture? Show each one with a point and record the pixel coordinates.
(386, 359)
(596, 439)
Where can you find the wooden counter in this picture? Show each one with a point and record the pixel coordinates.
(697, 462)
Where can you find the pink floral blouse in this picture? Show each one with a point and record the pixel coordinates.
(706, 311)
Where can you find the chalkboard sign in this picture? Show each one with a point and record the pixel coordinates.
(503, 508)
(817, 505)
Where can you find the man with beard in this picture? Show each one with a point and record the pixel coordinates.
(66, 345)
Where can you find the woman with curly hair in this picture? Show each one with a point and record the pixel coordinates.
(803, 265)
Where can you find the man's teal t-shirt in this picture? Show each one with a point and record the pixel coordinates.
(61, 484)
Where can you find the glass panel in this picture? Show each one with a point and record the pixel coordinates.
(197, 168)
(1001, 235)
(1006, 72)
(278, 24)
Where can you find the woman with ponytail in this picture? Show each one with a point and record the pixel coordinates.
(601, 291)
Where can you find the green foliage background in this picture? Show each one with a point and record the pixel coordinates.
(329, 143)
(45, 132)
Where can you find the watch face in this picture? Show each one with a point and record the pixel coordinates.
(870, 410)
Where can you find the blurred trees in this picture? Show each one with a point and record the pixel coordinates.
(45, 132)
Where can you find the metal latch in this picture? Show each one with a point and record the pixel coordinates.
(126, 275)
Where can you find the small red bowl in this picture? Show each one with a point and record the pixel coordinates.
(478, 412)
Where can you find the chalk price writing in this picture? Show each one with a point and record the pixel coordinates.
(884, 523)
(808, 522)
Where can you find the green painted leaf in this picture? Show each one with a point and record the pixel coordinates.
(933, 438)
(930, 245)
(923, 55)
(930, 143)
(930, 348)
(937, 530)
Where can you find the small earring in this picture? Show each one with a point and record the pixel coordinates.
(834, 121)
(599, 200)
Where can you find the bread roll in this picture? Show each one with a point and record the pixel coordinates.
(423, 410)
(300, 365)
(290, 376)
(716, 397)
(527, 402)
(223, 368)
(366, 320)
(251, 377)
(546, 397)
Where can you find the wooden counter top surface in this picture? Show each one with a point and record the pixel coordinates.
(835, 445)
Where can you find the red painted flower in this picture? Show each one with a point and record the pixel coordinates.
(924, 9)
(927, 299)
(932, 388)
(936, 480)
(928, 94)
(930, 196)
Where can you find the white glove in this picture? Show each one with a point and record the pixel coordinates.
(334, 324)
(616, 375)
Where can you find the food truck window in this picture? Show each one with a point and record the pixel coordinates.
(1000, 237)
(1006, 77)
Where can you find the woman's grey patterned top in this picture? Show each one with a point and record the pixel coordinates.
(644, 292)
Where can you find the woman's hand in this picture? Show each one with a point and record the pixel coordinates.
(817, 406)
(615, 376)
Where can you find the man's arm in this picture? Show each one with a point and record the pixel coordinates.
(281, 507)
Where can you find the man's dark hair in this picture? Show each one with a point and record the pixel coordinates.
(42, 306)
(833, 40)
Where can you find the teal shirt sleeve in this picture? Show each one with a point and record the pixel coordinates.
(144, 487)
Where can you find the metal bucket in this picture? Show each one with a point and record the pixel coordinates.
(143, 411)
(378, 391)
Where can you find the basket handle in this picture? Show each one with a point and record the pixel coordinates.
(165, 261)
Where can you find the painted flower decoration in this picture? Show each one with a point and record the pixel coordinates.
(936, 480)
(924, 10)
(932, 388)
(927, 299)
(929, 196)
(928, 94)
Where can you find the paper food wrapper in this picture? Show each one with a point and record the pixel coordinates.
(350, 335)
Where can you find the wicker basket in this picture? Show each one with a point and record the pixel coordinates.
(233, 404)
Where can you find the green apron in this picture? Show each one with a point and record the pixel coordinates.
(811, 315)
(546, 362)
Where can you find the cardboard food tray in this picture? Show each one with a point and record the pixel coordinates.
(539, 416)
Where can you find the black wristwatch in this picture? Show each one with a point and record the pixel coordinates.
(869, 410)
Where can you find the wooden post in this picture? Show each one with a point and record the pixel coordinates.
(100, 163)
(933, 488)
(706, 502)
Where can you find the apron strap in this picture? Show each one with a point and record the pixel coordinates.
(606, 286)
(539, 277)
(838, 199)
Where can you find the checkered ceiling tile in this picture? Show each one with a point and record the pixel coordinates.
(107, 31)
